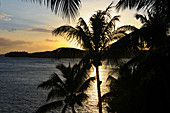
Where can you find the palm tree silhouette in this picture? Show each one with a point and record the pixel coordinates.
(142, 85)
(152, 5)
(67, 88)
(136, 86)
(158, 23)
(154, 28)
(150, 36)
(65, 8)
(95, 38)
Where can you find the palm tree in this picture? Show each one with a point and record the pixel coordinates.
(158, 23)
(150, 36)
(65, 8)
(67, 88)
(137, 85)
(154, 29)
(95, 38)
(142, 85)
(152, 5)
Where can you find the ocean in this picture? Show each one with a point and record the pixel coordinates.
(19, 78)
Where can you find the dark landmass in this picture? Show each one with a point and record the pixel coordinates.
(58, 53)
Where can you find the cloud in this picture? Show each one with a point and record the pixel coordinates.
(5, 17)
(5, 42)
(3, 14)
(12, 30)
(39, 30)
(48, 26)
(44, 30)
(50, 40)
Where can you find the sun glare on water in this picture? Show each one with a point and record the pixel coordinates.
(92, 91)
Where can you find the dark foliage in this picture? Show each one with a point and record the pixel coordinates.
(142, 86)
(66, 89)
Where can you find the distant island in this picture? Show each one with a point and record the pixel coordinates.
(58, 53)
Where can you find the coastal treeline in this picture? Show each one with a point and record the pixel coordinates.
(58, 53)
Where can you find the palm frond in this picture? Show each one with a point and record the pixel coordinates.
(111, 79)
(108, 97)
(109, 7)
(47, 84)
(126, 28)
(84, 30)
(86, 84)
(83, 38)
(121, 32)
(117, 36)
(56, 93)
(82, 23)
(111, 82)
(111, 24)
(54, 81)
(125, 43)
(64, 30)
(127, 47)
(107, 10)
(81, 98)
(65, 8)
(138, 4)
(55, 77)
(142, 18)
(65, 70)
(81, 75)
(74, 35)
(50, 106)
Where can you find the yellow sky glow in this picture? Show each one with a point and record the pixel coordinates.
(37, 35)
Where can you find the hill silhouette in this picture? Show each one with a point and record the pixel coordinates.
(58, 53)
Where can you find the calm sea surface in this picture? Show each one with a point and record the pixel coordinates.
(19, 78)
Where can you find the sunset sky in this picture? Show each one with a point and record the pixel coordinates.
(26, 26)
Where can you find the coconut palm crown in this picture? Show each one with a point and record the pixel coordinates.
(66, 89)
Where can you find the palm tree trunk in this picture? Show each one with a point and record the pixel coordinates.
(73, 109)
(98, 89)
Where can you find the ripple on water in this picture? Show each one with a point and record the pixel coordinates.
(19, 78)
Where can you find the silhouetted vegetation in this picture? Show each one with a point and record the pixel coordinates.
(95, 38)
(66, 89)
(142, 85)
(16, 54)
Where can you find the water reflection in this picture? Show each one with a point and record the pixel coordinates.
(92, 91)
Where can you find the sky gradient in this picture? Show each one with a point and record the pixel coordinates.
(25, 26)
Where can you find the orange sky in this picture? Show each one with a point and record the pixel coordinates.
(27, 27)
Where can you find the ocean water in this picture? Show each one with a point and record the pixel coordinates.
(19, 78)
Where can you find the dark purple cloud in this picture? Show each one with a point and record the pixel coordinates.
(50, 40)
(39, 30)
(5, 42)
(12, 30)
